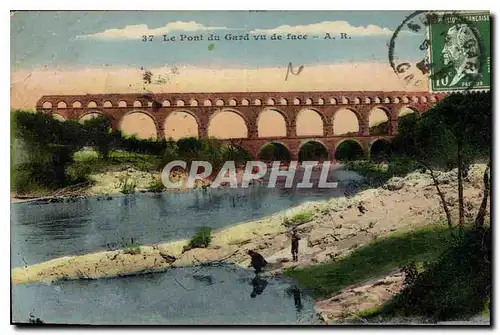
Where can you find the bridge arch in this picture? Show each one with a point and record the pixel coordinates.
(181, 123)
(228, 123)
(92, 104)
(349, 149)
(272, 122)
(107, 104)
(346, 121)
(137, 104)
(122, 104)
(309, 122)
(379, 120)
(47, 104)
(61, 105)
(274, 151)
(142, 119)
(76, 104)
(90, 114)
(405, 110)
(313, 150)
(380, 149)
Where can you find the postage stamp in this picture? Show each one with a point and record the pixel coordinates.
(459, 49)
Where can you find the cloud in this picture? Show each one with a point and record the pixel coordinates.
(332, 27)
(134, 32)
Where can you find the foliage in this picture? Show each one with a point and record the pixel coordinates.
(156, 185)
(313, 151)
(451, 134)
(98, 132)
(298, 218)
(134, 249)
(78, 173)
(189, 146)
(130, 247)
(349, 150)
(374, 259)
(455, 286)
(380, 151)
(49, 144)
(201, 239)
(128, 185)
(378, 173)
(208, 149)
(274, 152)
(381, 128)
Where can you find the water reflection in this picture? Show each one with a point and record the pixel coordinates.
(214, 297)
(296, 298)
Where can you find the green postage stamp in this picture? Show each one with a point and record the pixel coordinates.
(459, 51)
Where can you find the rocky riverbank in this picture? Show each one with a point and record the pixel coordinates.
(113, 183)
(339, 226)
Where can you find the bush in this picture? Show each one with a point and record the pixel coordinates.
(298, 218)
(201, 239)
(130, 247)
(78, 172)
(349, 150)
(400, 166)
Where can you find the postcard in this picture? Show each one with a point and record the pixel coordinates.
(251, 168)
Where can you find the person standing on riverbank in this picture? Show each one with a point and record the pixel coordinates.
(295, 244)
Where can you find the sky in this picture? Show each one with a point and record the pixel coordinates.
(113, 38)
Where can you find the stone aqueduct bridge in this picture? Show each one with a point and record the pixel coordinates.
(204, 106)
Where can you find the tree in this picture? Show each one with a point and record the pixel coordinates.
(50, 145)
(98, 134)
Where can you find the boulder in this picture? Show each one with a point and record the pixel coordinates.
(394, 184)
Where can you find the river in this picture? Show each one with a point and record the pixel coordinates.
(217, 295)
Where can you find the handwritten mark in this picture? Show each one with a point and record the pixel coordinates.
(211, 46)
(290, 70)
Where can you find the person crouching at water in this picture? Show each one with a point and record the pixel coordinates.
(258, 261)
(295, 245)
